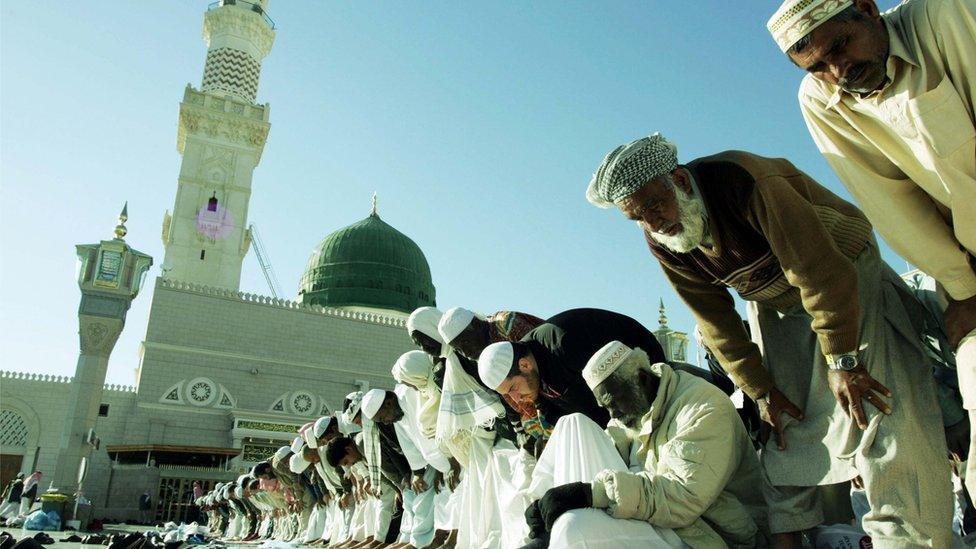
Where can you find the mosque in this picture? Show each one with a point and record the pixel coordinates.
(224, 377)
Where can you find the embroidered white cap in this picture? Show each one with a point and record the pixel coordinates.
(797, 18)
(605, 362)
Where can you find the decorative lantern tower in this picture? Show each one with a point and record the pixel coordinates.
(110, 275)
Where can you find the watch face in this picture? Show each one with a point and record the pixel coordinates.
(847, 362)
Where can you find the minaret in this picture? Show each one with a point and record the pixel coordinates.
(110, 274)
(674, 343)
(221, 136)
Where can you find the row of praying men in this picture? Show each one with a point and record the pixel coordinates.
(507, 430)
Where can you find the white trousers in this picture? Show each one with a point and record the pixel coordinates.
(25, 505)
(577, 451)
(9, 509)
(316, 523)
(492, 514)
(417, 523)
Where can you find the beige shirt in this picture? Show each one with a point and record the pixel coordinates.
(907, 152)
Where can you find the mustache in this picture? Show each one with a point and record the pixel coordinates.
(854, 78)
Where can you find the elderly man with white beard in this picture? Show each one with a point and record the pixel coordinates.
(674, 468)
(846, 385)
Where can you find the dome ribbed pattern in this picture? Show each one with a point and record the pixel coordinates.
(368, 264)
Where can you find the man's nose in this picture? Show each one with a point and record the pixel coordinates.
(839, 69)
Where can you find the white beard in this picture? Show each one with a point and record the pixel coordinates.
(691, 216)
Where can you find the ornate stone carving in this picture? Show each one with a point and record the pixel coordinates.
(229, 126)
(201, 391)
(98, 336)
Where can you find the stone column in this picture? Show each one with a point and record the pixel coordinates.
(97, 337)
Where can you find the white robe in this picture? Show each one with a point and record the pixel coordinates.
(577, 451)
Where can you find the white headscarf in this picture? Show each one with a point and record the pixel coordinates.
(424, 320)
(415, 368)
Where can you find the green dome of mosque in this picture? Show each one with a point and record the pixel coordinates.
(368, 264)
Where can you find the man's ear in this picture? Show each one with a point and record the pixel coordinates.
(682, 179)
(525, 365)
(868, 7)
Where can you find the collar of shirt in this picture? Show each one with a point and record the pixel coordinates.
(897, 48)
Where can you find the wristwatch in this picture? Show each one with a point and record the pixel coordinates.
(845, 362)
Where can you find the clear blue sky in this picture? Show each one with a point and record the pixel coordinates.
(478, 124)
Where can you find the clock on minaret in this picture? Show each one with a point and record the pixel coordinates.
(214, 221)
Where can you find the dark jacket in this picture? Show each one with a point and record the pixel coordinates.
(562, 346)
(15, 489)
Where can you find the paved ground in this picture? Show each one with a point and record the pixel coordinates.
(20, 533)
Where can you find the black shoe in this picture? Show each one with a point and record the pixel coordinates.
(6, 540)
(27, 543)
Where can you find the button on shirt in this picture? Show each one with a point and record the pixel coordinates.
(907, 152)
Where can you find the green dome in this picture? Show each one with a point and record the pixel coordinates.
(368, 264)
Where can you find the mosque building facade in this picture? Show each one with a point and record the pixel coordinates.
(224, 377)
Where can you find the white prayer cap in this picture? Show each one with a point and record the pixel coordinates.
(604, 362)
(628, 167)
(372, 402)
(239, 492)
(454, 322)
(309, 437)
(296, 445)
(424, 320)
(798, 18)
(413, 367)
(321, 425)
(282, 452)
(495, 362)
(297, 464)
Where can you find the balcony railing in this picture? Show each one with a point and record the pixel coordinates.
(256, 8)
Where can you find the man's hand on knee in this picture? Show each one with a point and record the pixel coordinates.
(851, 387)
(560, 499)
(772, 406)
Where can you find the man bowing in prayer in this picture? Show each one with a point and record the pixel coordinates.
(675, 456)
(829, 314)
(889, 101)
(399, 409)
(545, 367)
(469, 335)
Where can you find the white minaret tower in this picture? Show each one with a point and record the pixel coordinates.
(221, 135)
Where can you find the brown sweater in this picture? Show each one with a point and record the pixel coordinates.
(781, 239)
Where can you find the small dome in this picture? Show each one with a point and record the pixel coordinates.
(368, 264)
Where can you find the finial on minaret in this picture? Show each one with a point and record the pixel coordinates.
(120, 230)
(663, 319)
(373, 210)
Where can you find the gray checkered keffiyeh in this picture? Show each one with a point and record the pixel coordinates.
(628, 167)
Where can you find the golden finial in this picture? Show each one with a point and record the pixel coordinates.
(663, 319)
(373, 211)
(120, 230)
